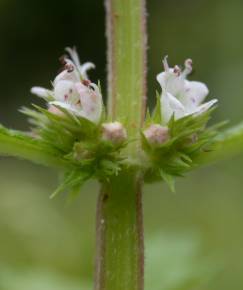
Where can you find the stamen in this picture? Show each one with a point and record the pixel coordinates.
(177, 70)
(188, 67)
(86, 82)
(188, 62)
(62, 59)
(69, 67)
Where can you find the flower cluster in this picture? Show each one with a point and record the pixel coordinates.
(181, 97)
(73, 91)
(75, 125)
(176, 133)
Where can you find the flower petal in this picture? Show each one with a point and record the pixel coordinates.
(171, 80)
(85, 67)
(41, 92)
(91, 101)
(169, 106)
(67, 76)
(74, 55)
(65, 91)
(194, 94)
(63, 105)
(204, 107)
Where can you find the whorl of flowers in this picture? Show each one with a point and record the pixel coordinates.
(73, 91)
(74, 124)
(181, 97)
(175, 134)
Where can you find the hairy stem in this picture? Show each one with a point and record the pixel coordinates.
(127, 42)
(120, 258)
(120, 249)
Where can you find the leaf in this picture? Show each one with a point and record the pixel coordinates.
(145, 144)
(156, 116)
(72, 180)
(23, 145)
(68, 114)
(148, 119)
(186, 158)
(169, 179)
(109, 168)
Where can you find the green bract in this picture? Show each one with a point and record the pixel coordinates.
(80, 142)
(189, 136)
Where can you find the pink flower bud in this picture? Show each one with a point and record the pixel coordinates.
(156, 134)
(114, 132)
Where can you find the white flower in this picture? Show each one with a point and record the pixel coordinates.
(73, 91)
(41, 92)
(180, 96)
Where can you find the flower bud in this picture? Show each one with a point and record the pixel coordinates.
(156, 134)
(114, 132)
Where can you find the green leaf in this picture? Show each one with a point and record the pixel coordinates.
(145, 144)
(169, 179)
(24, 146)
(157, 116)
(72, 180)
(109, 168)
(148, 119)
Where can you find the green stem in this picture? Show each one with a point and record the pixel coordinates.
(18, 144)
(120, 253)
(127, 43)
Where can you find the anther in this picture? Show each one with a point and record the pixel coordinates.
(62, 59)
(86, 82)
(177, 70)
(69, 67)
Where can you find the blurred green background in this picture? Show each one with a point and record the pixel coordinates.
(194, 238)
